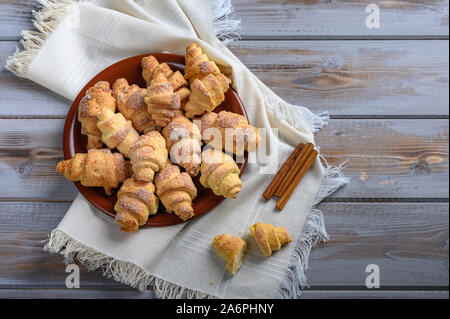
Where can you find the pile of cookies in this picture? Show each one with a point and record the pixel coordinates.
(168, 119)
(154, 138)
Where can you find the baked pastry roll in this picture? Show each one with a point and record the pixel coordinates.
(130, 102)
(269, 237)
(229, 131)
(163, 104)
(220, 173)
(175, 190)
(136, 200)
(96, 168)
(231, 249)
(148, 155)
(206, 94)
(151, 68)
(97, 97)
(183, 142)
(198, 64)
(117, 132)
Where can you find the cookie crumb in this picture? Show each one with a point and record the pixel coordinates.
(363, 177)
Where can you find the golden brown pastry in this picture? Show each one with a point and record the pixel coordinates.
(163, 104)
(175, 190)
(136, 200)
(236, 133)
(148, 155)
(206, 94)
(269, 237)
(117, 132)
(220, 173)
(183, 142)
(97, 97)
(130, 102)
(231, 249)
(184, 94)
(151, 68)
(96, 168)
(197, 64)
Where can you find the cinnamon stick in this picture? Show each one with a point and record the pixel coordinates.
(279, 177)
(298, 177)
(299, 161)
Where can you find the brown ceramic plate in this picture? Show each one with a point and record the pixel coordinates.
(74, 142)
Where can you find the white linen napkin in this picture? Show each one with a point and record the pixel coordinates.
(76, 40)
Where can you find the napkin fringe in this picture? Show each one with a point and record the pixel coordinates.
(313, 233)
(225, 28)
(128, 273)
(333, 179)
(121, 271)
(167, 290)
(45, 21)
(297, 116)
(54, 11)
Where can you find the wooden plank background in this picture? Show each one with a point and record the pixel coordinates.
(387, 93)
(387, 159)
(299, 19)
(346, 78)
(407, 240)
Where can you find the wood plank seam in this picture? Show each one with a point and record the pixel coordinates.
(411, 167)
(349, 80)
(342, 38)
(407, 241)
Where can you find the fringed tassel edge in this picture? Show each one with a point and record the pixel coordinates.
(333, 179)
(314, 232)
(225, 28)
(121, 271)
(54, 11)
(45, 21)
(295, 115)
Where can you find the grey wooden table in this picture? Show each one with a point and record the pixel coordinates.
(387, 91)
